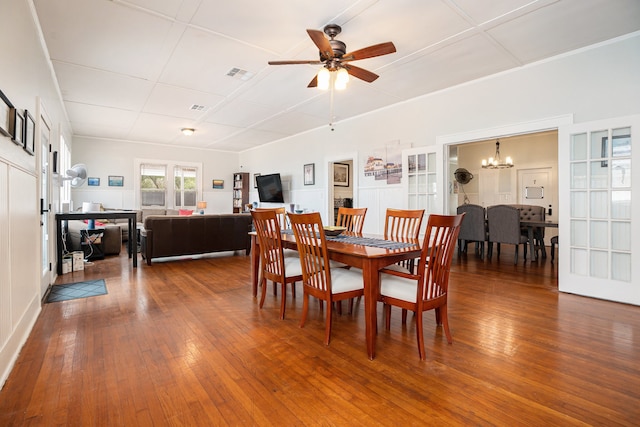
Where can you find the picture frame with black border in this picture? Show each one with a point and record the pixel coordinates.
(116, 181)
(17, 127)
(29, 133)
(217, 184)
(340, 175)
(309, 173)
(93, 181)
(5, 115)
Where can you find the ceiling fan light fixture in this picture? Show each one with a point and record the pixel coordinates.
(342, 78)
(324, 76)
(187, 131)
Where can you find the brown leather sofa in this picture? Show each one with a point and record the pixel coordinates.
(174, 235)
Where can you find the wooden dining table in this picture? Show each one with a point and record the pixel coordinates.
(369, 259)
(531, 226)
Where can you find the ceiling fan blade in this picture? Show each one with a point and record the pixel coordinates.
(361, 73)
(370, 52)
(312, 62)
(313, 82)
(326, 51)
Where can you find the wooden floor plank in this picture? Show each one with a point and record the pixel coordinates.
(183, 342)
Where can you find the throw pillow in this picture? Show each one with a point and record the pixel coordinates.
(185, 212)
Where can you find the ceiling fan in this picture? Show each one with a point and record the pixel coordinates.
(334, 56)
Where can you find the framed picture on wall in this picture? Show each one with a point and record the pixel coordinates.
(116, 181)
(29, 133)
(310, 174)
(93, 181)
(218, 184)
(5, 114)
(340, 175)
(17, 127)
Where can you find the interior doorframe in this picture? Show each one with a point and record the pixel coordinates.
(329, 161)
(546, 124)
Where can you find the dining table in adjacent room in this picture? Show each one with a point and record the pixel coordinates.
(355, 250)
(531, 226)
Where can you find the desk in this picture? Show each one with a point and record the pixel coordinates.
(80, 216)
(369, 259)
(531, 226)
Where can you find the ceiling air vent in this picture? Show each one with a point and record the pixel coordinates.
(196, 107)
(239, 74)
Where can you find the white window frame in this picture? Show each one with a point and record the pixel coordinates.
(170, 167)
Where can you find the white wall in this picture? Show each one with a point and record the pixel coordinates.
(599, 82)
(25, 77)
(104, 157)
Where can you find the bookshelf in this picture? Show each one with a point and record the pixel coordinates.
(240, 191)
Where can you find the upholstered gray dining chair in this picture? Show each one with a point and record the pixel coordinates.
(504, 227)
(473, 228)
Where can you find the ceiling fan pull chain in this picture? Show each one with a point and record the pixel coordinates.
(331, 108)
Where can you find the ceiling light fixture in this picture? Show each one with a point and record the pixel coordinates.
(496, 162)
(339, 75)
(187, 131)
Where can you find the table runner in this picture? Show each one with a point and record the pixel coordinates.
(365, 241)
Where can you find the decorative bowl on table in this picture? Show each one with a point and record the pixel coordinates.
(333, 230)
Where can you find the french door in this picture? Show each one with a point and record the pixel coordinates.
(599, 256)
(421, 179)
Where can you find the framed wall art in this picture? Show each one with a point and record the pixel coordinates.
(218, 184)
(116, 181)
(17, 127)
(93, 181)
(29, 133)
(340, 175)
(5, 114)
(310, 174)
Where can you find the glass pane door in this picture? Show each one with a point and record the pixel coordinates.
(598, 255)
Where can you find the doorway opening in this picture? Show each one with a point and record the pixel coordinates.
(341, 183)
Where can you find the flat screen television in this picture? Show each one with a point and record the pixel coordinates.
(270, 188)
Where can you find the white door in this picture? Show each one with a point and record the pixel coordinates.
(598, 254)
(421, 177)
(44, 206)
(536, 189)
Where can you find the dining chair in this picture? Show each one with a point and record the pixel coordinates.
(403, 223)
(428, 288)
(281, 214)
(473, 228)
(318, 278)
(503, 222)
(274, 265)
(351, 218)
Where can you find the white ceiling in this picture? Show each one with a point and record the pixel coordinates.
(132, 69)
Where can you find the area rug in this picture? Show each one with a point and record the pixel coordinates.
(69, 291)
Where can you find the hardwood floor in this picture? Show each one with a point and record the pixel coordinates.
(184, 343)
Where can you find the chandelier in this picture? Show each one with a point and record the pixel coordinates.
(496, 162)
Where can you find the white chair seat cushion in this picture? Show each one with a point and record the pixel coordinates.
(292, 266)
(343, 280)
(396, 267)
(336, 264)
(398, 287)
(290, 253)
